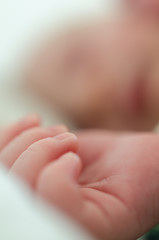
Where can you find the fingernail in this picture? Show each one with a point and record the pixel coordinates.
(65, 136)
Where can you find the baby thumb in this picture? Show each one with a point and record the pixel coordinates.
(58, 183)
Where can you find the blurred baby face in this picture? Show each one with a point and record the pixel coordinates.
(106, 75)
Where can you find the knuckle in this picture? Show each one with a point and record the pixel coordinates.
(42, 144)
(36, 133)
(32, 150)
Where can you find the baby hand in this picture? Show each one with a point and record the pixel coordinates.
(112, 187)
(16, 138)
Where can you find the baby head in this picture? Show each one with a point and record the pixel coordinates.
(104, 75)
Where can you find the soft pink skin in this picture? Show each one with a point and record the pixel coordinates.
(149, 8)
(8, 133)
(148, 4)
(103, 75)
(112, 187)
